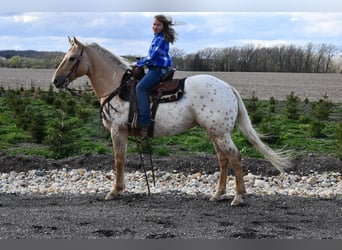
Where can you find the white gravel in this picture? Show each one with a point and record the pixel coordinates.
(81, 181)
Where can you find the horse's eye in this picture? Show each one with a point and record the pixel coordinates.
(71, 59)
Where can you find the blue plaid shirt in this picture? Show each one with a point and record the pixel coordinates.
(158, 53)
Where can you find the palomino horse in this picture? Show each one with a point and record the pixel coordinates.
(207, 101)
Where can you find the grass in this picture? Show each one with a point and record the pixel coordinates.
(90, 137)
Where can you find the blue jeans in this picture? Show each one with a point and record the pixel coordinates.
(152, 77)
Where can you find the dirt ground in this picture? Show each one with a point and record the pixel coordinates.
(165, 216)
(168, 216)
(264, 85)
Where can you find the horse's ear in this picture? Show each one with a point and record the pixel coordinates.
(76, 41)
(73, 41)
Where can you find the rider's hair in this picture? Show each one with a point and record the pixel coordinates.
(169, 32)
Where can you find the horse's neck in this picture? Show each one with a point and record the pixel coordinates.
(104, 77)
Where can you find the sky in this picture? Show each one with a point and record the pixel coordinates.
(127, 31)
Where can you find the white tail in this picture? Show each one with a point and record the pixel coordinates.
(278, 159)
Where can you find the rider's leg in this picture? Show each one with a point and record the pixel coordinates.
(146, 83)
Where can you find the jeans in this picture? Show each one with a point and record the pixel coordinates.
(152, 77)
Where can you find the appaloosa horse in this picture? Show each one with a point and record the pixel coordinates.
(207, 101)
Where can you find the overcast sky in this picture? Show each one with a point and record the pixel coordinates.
(129, 33)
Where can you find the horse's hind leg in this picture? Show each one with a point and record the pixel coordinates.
(221, 185)
(226, 150)
(235, 159)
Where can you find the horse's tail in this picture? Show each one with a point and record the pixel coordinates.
(278, 159)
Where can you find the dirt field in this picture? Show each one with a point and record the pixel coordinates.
(265, 85)
(165, 216)
(279, 85)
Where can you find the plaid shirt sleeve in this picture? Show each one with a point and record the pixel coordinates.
(158, 53)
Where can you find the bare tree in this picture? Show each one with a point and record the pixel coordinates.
(177, 57)
(330, 52)
(309, 54)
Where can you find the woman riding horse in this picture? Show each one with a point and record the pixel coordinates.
(158, 62)
(207, 101)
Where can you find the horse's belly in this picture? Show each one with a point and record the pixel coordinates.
(173, 118)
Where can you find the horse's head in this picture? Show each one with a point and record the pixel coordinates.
(72, 66)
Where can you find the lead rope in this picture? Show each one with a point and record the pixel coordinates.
(141, 147)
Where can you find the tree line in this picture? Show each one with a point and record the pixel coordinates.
(30, 59)
(311, 58)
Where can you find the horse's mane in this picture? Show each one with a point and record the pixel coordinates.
(115, 60)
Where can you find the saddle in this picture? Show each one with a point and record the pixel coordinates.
(168, 90)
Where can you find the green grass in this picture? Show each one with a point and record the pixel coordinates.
(92, 138)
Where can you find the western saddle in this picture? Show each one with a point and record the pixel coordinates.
(168, 90)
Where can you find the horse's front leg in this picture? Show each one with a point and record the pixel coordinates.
(119, 139)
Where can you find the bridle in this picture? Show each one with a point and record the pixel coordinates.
(73, 70)
(76, 65)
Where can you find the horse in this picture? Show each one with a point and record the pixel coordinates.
(207, 101)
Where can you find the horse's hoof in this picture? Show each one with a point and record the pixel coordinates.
(112, 196)
(214, 198)
(237, 201)
(217, 196)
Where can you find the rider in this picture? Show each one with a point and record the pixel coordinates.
(158, 61)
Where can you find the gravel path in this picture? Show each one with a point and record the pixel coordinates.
(65, 199)
(81, 181)
(91, 174)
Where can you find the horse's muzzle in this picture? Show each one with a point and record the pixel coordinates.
(61, 81)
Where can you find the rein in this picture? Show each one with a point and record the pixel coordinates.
(106, 103)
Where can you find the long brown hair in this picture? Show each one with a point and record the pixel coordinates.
(169, 32)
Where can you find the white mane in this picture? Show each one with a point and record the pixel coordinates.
(113, 59)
